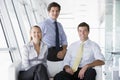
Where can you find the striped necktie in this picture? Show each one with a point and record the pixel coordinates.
(78, 58)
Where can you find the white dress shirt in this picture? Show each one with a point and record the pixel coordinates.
(91, 52)
(30, 56)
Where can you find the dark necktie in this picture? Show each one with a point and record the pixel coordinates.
(57, 36)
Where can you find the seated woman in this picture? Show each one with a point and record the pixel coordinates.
(34, 57)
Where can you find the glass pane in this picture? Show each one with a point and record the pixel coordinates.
(15, 23)
(72, 35)
(5, 59)
(2, 38)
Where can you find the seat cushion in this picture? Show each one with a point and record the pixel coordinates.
(54, 67)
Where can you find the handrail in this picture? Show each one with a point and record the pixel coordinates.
(7, 49)
(115, 53)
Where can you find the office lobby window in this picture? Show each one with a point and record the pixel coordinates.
(16, 18)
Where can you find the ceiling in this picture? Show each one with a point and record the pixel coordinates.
(75, 11)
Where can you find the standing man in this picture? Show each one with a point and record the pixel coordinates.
(81, 57)
(55, 37)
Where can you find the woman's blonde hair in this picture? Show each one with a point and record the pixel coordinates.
(31, 30)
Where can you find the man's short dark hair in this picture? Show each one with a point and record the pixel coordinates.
(53, 4)
(83, 24)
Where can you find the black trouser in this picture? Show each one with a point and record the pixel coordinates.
(90, 74)
(52, 54)
(38, 72)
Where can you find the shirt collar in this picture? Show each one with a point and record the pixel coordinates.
(32, 45)
(51, 20)
(85, 42)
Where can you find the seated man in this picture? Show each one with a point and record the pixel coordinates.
(81, 57)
